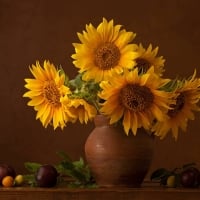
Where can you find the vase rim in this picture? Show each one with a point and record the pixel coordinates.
(101, 119)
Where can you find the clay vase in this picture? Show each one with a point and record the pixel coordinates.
(116, 159)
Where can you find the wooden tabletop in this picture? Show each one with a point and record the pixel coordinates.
(114, 193)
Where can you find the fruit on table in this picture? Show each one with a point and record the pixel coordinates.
(8, 181)
(46, 176)
(19, 179)
(171, 181)
(190, 177)
(6, 170)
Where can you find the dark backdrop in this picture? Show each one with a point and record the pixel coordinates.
(33, 30)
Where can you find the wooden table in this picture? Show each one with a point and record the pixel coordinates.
(63, 193)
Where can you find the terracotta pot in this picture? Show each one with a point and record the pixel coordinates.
(116, 159)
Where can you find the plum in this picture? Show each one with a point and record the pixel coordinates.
(190, 177)
(46, 176)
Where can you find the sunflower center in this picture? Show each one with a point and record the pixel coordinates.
(142, 65)
(136, 98)
(51, 93)
(176, 108)
(107, 56)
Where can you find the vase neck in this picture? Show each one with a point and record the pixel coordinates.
(101, 120)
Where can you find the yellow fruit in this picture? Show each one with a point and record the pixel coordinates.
(8, 181)
(171, 181)
(19, 179)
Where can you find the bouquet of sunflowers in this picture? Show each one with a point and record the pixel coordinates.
(117, 78)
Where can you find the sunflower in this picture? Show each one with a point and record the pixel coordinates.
(81, 109)
(188, 95)
(45, 91)
(104, 49)
(135, 99)
(147, 58)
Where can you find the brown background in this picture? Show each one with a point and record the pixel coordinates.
(45, 29)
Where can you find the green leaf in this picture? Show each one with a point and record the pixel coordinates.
(30, 179)
(77, 170)
(79, 163)
(159, 174)
(32, 166)
(80, 185)
(188, 165)
(64, 156)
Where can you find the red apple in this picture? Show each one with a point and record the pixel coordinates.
(46, 176)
